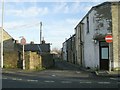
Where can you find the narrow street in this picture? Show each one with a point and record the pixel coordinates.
(60, 44)
(63, 75)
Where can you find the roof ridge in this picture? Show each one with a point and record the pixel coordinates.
(6, 32)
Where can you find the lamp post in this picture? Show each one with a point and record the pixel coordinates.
(1, 54)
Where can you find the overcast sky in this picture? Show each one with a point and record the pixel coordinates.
(23, 17)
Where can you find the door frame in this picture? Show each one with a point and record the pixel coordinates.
(104, 63)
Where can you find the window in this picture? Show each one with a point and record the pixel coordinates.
(87, 24)
(104, 53)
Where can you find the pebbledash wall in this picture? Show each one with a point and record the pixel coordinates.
(99, 21)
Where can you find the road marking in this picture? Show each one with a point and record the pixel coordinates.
(115, 79)
(19, 79)
(103, 82)
(14, 78)
(8, 72)
(32, 80)
(66, 82)
(86, 82)
(4, 78)
(53, 75)
(49, 81)
(78, 72)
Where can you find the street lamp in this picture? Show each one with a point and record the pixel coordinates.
(1, 54)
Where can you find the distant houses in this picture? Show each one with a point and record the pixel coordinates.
(37, 56)
(89, 48)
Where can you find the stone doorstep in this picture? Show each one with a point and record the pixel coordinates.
(114, 72)
(101, 72)
(106, 73)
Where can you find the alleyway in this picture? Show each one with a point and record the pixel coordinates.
(63, 65)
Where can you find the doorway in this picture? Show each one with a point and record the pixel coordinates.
(104, 56)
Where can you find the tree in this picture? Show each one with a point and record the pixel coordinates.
(56, 51)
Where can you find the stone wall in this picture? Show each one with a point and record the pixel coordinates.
(115, 33)
(119, 34)
(34, 61)
(79, 44)
(10, 59)
(47, 60)
(9, 55)
(8, 43)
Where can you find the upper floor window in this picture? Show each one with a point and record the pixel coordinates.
(87, 24)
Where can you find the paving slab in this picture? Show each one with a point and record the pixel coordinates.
(108, 73)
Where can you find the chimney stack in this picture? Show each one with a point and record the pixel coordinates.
(32, 42)
(16, 41)
(43, 41)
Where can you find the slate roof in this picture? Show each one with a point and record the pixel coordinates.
(36, 47)
(104, 3)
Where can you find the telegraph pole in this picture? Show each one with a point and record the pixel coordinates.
(40, 31)
(2, 34)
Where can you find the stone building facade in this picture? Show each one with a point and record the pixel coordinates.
(68, 50)
(92, 51)
(115, 9)
(101, 20)
(34, 54)
(9, 53)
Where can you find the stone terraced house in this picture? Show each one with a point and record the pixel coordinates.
(92, 51)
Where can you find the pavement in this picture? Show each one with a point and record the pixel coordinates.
(67, 66)
(102, 73)
(108, 73)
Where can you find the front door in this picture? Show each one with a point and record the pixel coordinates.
(104, 56)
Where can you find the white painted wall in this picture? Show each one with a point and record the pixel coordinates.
(91, 50)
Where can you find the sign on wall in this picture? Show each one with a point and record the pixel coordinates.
(109, 38)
